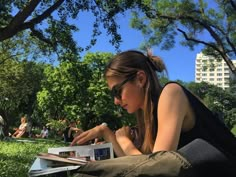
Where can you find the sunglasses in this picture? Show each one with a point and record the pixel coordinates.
(117, 89)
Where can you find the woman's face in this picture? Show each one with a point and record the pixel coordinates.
(131, 94)
(23, 120)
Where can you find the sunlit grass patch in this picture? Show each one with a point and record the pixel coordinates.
(16, 157)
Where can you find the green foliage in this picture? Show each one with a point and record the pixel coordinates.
(64, 92)
(100, 99)
(199, 89)
(49, 26)
(161, 21)
(20, 81)
(234, 130)
(56, 127)
(230, 118)
(77, 91)
(17, 157)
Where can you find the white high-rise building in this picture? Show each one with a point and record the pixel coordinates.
(210, 70)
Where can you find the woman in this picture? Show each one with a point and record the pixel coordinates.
(22, 130)
(71, 131)
(168, 117)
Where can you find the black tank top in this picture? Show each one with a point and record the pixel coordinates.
(66, 137)
(208, 126)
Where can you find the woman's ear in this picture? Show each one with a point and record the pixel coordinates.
(141, 78)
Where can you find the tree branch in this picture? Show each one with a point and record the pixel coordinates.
(233, 4)
(231, 45)
(222, 54)
(5, 59)
(43, 16)
(18, 25)
(21, 16)
(13, 27)
(196, 40)
(40, 36)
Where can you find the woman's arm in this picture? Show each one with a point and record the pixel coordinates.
(173, 107)
(100, 131)
(123, 136)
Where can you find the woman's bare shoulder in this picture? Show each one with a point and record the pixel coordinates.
(172, 89)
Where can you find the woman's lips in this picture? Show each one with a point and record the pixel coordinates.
(125, 106)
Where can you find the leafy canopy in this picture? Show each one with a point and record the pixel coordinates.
(48, 26)
(163, 20)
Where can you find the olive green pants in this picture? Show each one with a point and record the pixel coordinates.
(159, 164)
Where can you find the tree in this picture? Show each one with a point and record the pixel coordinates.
(64, 92)
(100, 100)
(164, 19)
(199, 89)
(50, 25)
(78, 91)
(20, 81)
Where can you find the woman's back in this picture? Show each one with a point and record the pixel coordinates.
(208, 127)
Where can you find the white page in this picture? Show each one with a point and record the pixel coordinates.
(42, 167)
(92, 150)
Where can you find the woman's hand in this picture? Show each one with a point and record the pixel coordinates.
(88, 135)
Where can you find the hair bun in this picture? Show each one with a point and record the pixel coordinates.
(156, 62)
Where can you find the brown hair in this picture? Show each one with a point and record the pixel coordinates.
(127, 63)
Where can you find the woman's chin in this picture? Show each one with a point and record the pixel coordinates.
(130, 111)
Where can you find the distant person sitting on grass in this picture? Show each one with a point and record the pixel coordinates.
(44, 133)
(1, 127)
(22, 130)
(71, 131)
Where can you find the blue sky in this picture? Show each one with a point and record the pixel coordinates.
(180, 61)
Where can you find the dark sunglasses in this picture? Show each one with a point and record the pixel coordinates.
(117, 89)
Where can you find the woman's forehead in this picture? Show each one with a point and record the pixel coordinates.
(112, 81)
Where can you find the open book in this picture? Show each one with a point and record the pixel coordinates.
(64, 159)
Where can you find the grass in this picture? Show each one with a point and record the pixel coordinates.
(16, 157)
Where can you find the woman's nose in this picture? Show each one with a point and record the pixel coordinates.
(116, 101)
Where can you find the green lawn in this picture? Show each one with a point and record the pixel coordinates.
(16, 157)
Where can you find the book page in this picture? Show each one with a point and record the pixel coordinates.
(93, 151)
(48, 164)
(57, 158)
(69, 158)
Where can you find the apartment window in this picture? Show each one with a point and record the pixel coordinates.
(211, 69)
(219, 74)
(211, 79)
(204, 74)
(212, 74)
(226, 84)
(227, 79)
(219, 79)
(219, 69)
